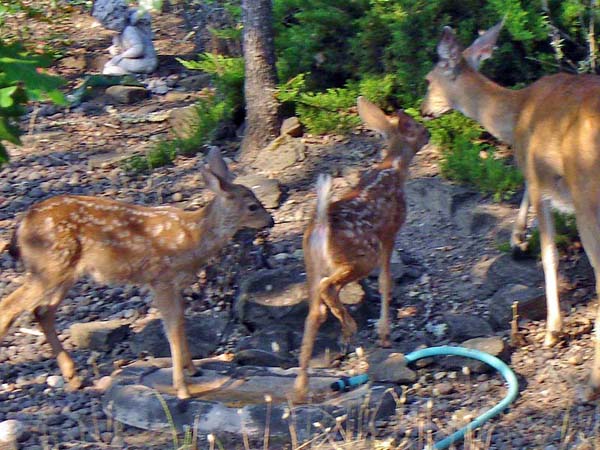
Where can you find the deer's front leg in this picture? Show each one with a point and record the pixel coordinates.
(550, 265)
(518, 244)
(170, 304)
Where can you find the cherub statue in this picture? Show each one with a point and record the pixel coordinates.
(132, 49)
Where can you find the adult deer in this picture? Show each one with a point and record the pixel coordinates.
(350, 237)
(66, 237)
(553, 126)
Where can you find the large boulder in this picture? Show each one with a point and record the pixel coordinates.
(203, 332)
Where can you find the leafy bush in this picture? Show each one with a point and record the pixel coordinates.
(21, 81)
(211, 112)
(227, 75)
(467, 158)
(566, 234)
(320, 112)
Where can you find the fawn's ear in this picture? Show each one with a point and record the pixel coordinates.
(373, 117)
(483, 47)
(406, 124)
(214, 182)
(448, 50)
(217, 164)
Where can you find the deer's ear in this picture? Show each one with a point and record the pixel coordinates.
(448, 49)
(217, 164)
(214, 182)
(483, 47)
(373, 117)
(406, 124)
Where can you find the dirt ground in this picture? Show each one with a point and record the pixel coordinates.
(444, 244)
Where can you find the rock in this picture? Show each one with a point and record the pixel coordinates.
(203, 331)
(531, 305)
(479, 219)
(55, 381)
(463, 326)
(443, 388)
(277, 339)
(292, 127)
(239, 408)
(388, 366)
(101, 336)
(73, 62)
(495, 346)
(500, 271)
(158, 86)
(280, 154)
(266, 189)
(11, 431)
(195, 82)
(126, 94)
(440, 198)
(352, 294)
(183, 121)
(255, 357)
(272, 296)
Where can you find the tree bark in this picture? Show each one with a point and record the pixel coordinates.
(262, 108)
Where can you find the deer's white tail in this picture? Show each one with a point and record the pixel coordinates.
(318, 240)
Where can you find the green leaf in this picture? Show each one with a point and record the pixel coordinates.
(6, 96)
(9, 132)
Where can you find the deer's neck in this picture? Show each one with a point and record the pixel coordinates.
(496, 108)
(215, 226)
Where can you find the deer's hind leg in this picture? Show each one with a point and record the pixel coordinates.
(588, 225)
(23, 299)
(41, 299)
(385, 289)
(330, 293)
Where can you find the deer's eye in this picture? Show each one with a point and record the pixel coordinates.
(253, 207)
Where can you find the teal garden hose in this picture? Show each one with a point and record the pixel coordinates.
(509, 376)
(506, 372)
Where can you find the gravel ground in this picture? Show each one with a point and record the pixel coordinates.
(442, 277)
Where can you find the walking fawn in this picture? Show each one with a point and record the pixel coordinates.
(553, 127)
(66, 237)
(350, 237)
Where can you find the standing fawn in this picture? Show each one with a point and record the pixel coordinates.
(66, 237)
(553, 126)
(347, 239)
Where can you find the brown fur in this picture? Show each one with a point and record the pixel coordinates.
(553, 127)
(66, 237)
(349, 238)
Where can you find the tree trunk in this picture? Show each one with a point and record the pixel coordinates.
(262, 108)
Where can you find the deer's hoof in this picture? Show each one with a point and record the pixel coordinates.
(193, 371)
(183, 393)
(385, 343)
(588, 394)
(299, 396)
(74, 383)
(552, 338)
(520, 251)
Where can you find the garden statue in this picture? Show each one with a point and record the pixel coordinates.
(132, 50)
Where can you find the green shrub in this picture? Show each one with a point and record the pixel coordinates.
(227, 75)
(21, 81)
(467, 158)
(566, 233)
(321, 112)
(475, 163)
(210, 114)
